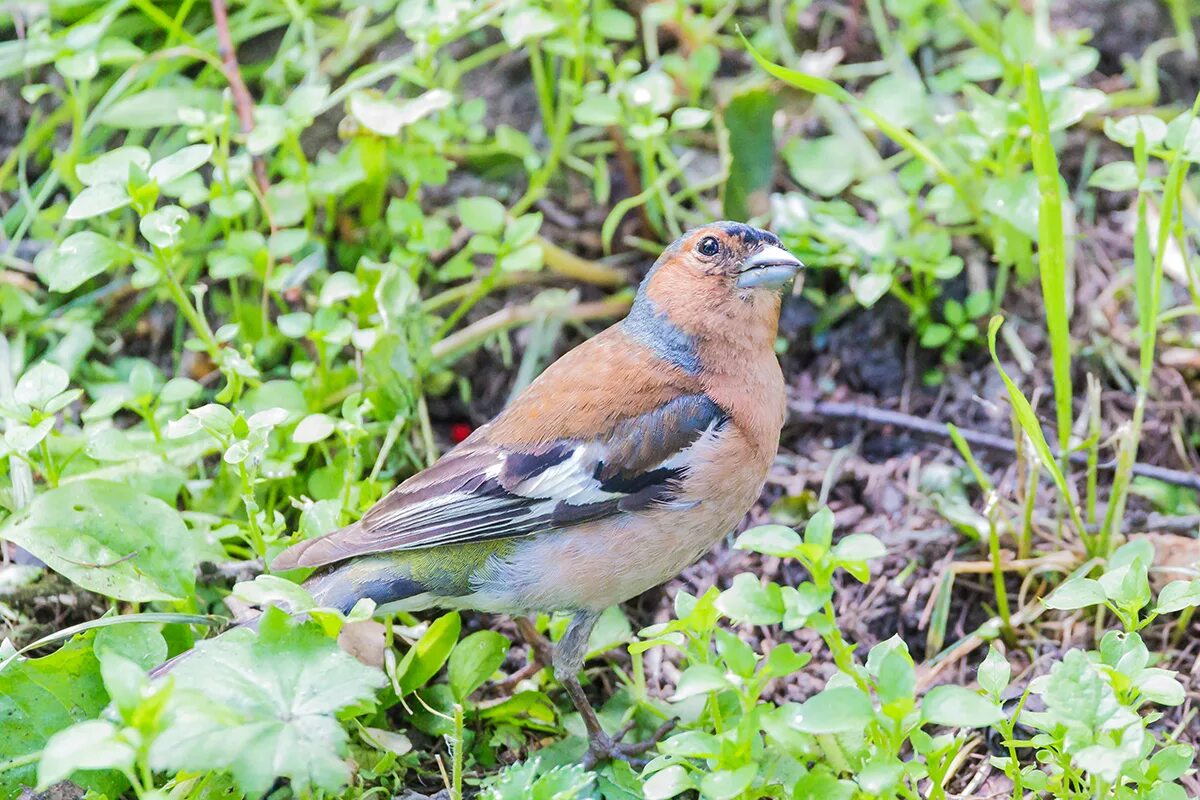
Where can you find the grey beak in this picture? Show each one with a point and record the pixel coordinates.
(769, 268)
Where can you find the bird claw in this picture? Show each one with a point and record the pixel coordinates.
(610, 748)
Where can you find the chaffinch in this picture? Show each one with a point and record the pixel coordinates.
(624, 462)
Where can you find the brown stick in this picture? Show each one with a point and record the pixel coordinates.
(243, 103)
(988, 441)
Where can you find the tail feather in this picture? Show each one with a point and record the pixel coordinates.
(384, 580)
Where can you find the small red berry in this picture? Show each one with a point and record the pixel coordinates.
(459, 431)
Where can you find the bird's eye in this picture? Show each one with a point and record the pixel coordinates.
(709, 246)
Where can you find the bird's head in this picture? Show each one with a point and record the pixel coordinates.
(717, 281)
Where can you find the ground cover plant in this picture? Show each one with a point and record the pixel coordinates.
(260, 262)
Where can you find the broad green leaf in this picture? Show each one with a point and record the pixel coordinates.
(109, 539)
(92, 745)
(726, 784)
(783, 660)
(748, 117)
(113, 166)
(821, 164)
(159, 107)
(994, 672)
(387, 117)
(819, 530)
(93, 201)
(474, 660)
(38, 698)
(598, 109)
(426, 657)
(1125, 130)
(1178, 595)
(1118, 176)
(181, 162)
(667, 783)
(481, 214)
(81, 256)
(838, 710)
(313, 428)
(162, 227)
(1076, 593)
(858, 547)
(262, 707)
(772, 540)
(40, 383)
(959, 707)
(700, 679)
(748, 601)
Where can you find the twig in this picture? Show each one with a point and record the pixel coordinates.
(567, 264)
(458, 343)
(242, 101)
(988, 441)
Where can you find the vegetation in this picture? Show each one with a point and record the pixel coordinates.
(260, 263)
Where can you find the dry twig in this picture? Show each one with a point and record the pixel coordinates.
(988, 441)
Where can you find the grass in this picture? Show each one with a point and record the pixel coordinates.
(232, 321)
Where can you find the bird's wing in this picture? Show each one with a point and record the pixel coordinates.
(482, 490)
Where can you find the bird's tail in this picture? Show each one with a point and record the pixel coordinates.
(339, 586)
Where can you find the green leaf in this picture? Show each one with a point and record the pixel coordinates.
(772, 540)
(181, 162)
(314, 427)
(38, 698)
(113, 166)
(481, 214)
(81, 256)
(1125, 130)
(1076, 593)
(1127, 586)
(748, 601)
(700, 679)
(93, 201)
(1029, 423)
(821, 164)
(1119, 176)
(839, 710)
(92, 745)
(40, 384)
(667, 783)
(819, 530)
(1052, 256)
(858, 547)
(748, 117)
(1178, 595)
(262, 707)
(474, 660)
(598, 109)
(783, 660)
(959, 707)
(994, 672)
(159, 107)
(109, 539)
(162, 227)
(726, 784)
(426, 657)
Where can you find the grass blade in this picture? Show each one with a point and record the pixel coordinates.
(1052, 257)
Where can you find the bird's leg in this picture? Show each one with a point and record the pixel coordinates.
(568, 662)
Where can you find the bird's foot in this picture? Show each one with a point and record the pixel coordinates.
(603, 747)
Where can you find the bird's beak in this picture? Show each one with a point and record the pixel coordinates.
(769, 268)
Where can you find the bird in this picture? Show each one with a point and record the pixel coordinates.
(619, 466)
